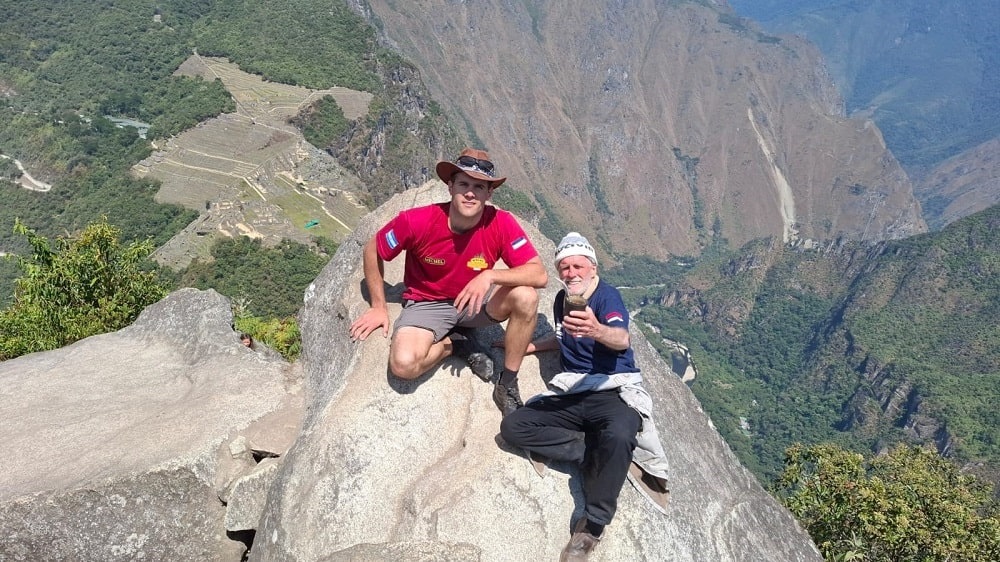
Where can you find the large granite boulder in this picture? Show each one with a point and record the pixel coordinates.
(391, 470)
(130, 445)
(170, 441)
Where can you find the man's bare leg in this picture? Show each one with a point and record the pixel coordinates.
(520, 307)
(413, 352)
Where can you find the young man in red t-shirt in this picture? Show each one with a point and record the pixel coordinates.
(451, 249)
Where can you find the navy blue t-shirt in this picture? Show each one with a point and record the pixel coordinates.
(584, 355)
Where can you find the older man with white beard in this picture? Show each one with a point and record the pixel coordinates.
(597, 413)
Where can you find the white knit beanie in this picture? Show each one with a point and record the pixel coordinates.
(574, 244)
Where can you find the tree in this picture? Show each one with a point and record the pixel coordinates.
(907, 505)
(84, 285)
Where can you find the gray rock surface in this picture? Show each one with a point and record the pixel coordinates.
(119, 446)
(385, 469)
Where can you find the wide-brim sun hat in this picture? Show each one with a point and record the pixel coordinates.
(476, 163)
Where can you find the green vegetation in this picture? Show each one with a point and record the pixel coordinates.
(9, 272)
(310, 43)
(280, 334)
(92, 283)
(795, 346)
(70, 64)
(908, 505)
(66, 66)
(264, 284)
(75, 288)
(180, 103)
(323, 122)
(409, 140)
(510, 199)
(74, 62)
(550, 224)
(268, 281)
(639, 271)
(594, 186)
(689, 166)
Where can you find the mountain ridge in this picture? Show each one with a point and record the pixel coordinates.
(928, 74)
(653, 150)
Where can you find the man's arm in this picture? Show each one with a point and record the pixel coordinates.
(614, 338)
(378, 314)
(530, 274)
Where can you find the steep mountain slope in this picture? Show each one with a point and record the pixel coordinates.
(961, 185)
(658, 126)
(866, 344)
(927, 73)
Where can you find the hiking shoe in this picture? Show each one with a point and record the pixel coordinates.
(507, 397)
(480, 363)
(580, 544)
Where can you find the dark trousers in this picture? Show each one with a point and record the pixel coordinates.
(596, 429)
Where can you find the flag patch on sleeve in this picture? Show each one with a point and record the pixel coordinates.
(390, 239)
(521, 241)
(614, 317)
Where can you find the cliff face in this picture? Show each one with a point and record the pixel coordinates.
(927, 74)
(656, 125)
(143, 444)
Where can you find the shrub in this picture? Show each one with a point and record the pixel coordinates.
(909, 504)
(84, 285)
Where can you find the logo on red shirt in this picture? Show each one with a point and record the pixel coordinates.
(478, 263)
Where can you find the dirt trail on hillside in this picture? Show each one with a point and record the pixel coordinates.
(26, 181)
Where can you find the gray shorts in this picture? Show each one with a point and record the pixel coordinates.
(441, 316)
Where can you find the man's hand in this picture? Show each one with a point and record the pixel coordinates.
(582, 324)
(585, 325)
(369, 321)
(472, 296)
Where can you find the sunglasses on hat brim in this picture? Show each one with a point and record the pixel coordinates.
(470, 163)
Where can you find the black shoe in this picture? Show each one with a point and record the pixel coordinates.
(507, 397)
(480, 363)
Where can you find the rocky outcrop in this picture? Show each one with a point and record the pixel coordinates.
(385, 469)
(889, 399)
(121, 446)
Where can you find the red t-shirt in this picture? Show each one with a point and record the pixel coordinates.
(440, 263)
